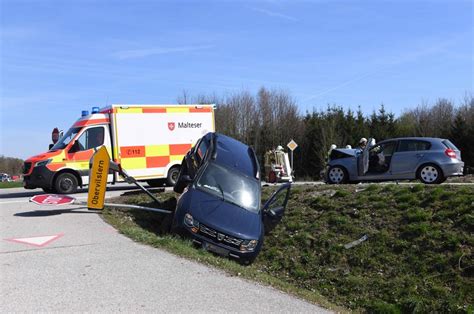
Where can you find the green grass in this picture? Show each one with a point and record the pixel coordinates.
(418, 256)
(8, 185)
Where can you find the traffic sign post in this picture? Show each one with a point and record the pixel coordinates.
(98, 179)
(292, 146)
(52, 199)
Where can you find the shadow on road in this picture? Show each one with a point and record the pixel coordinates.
(21, 194)
(46, 213)
(31, 193)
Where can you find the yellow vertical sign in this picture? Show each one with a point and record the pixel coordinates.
(98, 179)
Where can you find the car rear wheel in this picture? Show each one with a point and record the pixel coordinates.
(337, 175)
(66, 183)
(430, 174)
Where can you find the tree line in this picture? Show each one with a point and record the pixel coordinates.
(271, 118)
(11, 166)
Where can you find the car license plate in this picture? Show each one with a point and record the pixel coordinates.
(215, 249)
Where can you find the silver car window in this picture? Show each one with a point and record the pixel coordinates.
(413, 145)
(386, 148)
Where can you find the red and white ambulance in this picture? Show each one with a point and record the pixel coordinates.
(148, 141)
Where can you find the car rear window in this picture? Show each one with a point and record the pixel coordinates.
(450, 145)
(413, 145)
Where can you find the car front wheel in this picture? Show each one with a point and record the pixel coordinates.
(430, 174)
(337, 175)
(180, 184)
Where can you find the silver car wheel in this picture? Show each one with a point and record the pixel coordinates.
(336, 175)
(429, 174)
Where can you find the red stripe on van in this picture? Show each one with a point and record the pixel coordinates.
(179, 149)
(206, 109)
(56, 166)
(90, 122)
(157, 162)
(154, 110)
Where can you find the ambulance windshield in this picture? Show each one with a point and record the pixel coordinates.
(66, 139)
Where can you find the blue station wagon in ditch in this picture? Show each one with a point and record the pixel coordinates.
(220, 205)
(431, 160)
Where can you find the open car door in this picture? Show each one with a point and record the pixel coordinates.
(274, 208)
(363, 159)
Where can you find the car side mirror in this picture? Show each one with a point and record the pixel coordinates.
(186, 178)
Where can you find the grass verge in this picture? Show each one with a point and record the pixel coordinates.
(8, 185)
(417, 256)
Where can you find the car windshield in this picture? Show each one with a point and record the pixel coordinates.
(65, 139)
(231, 186)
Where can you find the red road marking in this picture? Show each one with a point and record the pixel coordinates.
(36, 241)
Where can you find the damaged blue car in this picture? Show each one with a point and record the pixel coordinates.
(220, 202)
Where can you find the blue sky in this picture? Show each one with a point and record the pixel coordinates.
(61, 57)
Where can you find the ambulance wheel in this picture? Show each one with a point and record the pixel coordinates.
(173, 175)
(66, 183)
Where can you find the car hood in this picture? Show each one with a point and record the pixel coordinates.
(348, 151)
(225, 217)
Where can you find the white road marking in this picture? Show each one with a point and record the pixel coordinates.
(37, 241)
(11, 202)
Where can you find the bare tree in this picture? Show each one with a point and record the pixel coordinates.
(183, 99)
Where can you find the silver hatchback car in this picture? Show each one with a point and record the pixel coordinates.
(431, 160)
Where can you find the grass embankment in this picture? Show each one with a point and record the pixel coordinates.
(418, 256)
(469, 178)
(7, 185)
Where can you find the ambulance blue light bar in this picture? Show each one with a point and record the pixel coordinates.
(85, 113)
(95, 109)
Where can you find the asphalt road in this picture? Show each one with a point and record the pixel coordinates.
(80, 263)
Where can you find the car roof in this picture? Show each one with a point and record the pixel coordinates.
(429, 139)
(236, 155)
